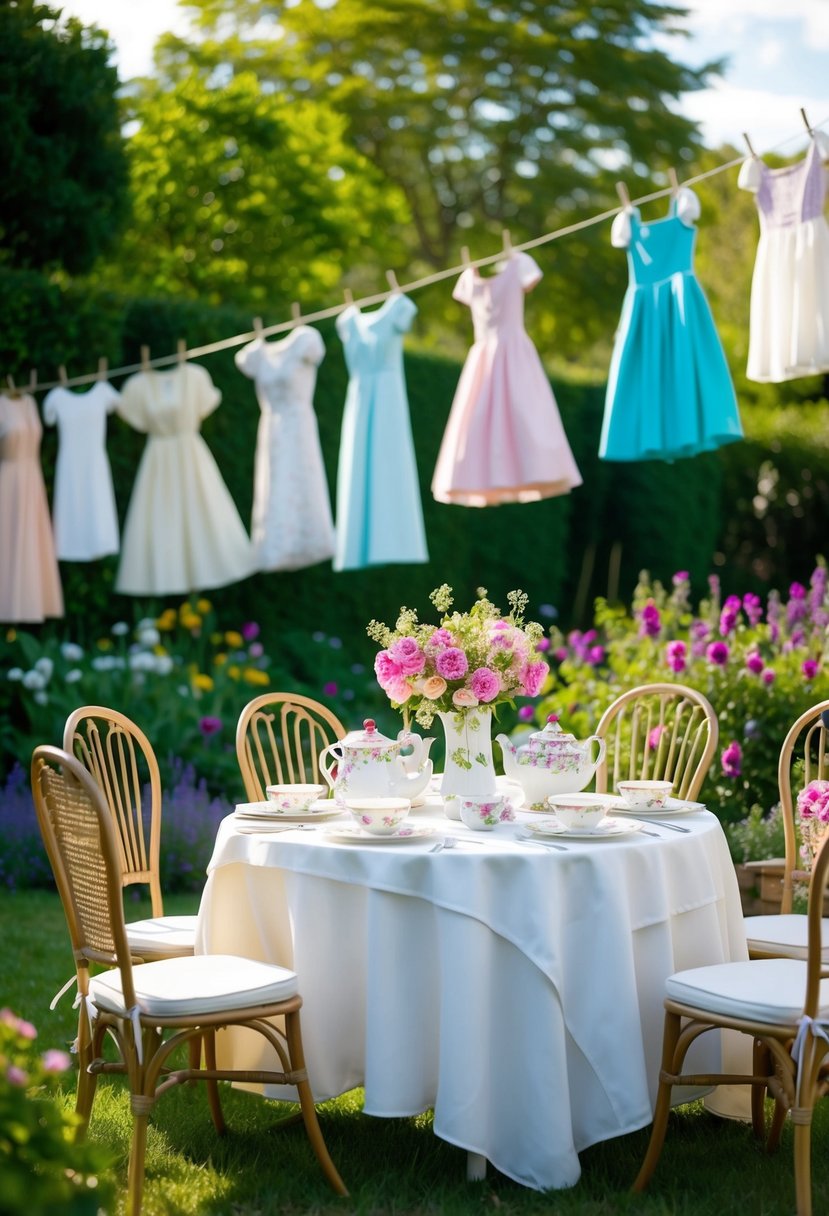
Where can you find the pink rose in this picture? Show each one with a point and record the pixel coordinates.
(451, 663)
(433, 688)
(409, 657)
(398, 690)
(386, 669)
(532, 677)
(485, 684)
(440, 639)
(464, 699)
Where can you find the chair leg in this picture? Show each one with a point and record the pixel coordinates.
(776, 1130)
(87, 1082)
(138, 1152)
(213, 1085)
(761, 1065)
(663, 1102)
(194, 1054)
(309, 1110)
(803, 1167)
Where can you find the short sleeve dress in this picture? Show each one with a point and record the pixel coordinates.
(84, 514)
(291, 526)
(504, 441)
(669, 390)
(789, 331)
(182, 532)
(379, 511)
(30, 587)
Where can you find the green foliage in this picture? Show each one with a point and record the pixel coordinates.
(757, 837)
(64, 193)
(41, 1168)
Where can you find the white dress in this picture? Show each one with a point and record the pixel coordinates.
(182, 532)
(84, 515)
(291, 525)
(790, 288)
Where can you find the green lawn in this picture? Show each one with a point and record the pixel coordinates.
(710, 1167)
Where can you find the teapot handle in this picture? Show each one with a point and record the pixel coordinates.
(325, 769)
(602, 749)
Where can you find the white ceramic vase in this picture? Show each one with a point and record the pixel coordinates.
(468, 767)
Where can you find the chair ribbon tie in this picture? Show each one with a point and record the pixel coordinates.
(72, 980)
(135, 1018)
(90, 1007)
(818, 1027)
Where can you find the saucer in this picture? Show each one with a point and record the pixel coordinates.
(409, 834)
(608, 829)
(323, 808)
(673, 806)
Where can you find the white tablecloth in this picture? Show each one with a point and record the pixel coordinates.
(515, 989)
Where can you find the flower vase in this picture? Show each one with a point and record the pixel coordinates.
(468, 767)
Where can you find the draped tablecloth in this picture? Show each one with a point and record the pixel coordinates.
(515, 989)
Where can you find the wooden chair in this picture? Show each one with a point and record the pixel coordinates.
(279, 738)
(120, 757)
(658, 732)
(803, 758)
(152, 1010)
(783, 1005)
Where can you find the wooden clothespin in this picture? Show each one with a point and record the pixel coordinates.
(806, 122)
(466, 260)
(62, 376)
(181, 350)
(103, 367)
(145, 358)
(751, 151)
(674, 180)
(12, 387)
(506, 241)
(296, 312)
(391, 279)
(32, 380)
(622, 191)
(348, 295)
(257, 327)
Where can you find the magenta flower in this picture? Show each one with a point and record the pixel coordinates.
(717, 653)
(650, 622)
(440, 639)
(769, 675)
(681, 576)
(655, 735)
(408, 656)
(250, 631)
(330, 689)
(754, 662)
(797, 591)
(595, 656)
(560, 654)
(809, 668)
(526, 713)
(210, 726)
(485, 684)
(753, 608)
(676, 654)
(451, 663)
(732, 760)
(532, 677)
(385, 668)
(542, 644)
(813, 801)
(730, 615)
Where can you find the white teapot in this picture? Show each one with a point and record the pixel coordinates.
(551, 762)
(366, 764)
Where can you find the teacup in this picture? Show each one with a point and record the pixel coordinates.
(293, 799)
(481, 812)
(578, 812)
(646, 794)
(451, 806)
(379, 816)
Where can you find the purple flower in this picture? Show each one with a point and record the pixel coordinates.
(753, 608)
(210, 726)
(754, 662)
(730, 615)
(542, 644)
(250, 630)
(330, 689)
(717, 653)
(485, 684)
(732, 759)
(451, 663)
(650, 622)
(676, 654)
(595, 656)
(526, 713)
(797, 591)
(256, 650)
(809, 668)
(560, 654)
(699, 629)
(768, 676)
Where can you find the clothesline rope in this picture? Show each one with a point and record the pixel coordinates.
(324, 314)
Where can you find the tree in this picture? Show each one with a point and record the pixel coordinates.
(484, 115)
(238, 196)
(63, 193)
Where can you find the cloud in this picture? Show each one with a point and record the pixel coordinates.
(737, 17)
(771, 119)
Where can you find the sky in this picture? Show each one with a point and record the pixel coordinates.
(777, 53)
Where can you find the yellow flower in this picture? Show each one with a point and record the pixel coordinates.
(104, 644)
(234, 639)
(203, 606)
(233, 671)
(167, 620)
(254, 676)
(203, 682)
(159, 649)
(11, 635)
(191, 620)
(220, 660)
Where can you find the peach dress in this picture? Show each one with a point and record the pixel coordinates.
(30, 587)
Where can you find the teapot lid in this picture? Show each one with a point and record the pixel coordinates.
(552, 733)
(369, 736)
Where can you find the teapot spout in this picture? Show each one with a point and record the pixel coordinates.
(509, 752)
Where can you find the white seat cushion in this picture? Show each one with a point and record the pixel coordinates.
(783, 935)
(162, 936)
(762, 990)
(204, 983)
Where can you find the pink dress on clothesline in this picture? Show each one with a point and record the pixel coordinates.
(504, 441)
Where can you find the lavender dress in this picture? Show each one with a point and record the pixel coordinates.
(790, 288)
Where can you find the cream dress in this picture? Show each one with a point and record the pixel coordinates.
(182, 532)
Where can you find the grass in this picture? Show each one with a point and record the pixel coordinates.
(710, 1167)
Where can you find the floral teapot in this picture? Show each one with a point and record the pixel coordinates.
(551, 762)
(366, 764)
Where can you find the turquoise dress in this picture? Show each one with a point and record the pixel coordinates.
(669, 390)
(379, 512)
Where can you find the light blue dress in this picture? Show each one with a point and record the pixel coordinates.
(669, 390)
(379, 512)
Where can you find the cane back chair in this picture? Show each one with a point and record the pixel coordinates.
(664, 732)
(152, 1010)
(279, 738)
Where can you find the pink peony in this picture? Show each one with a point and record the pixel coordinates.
(532, 678)
(813, 801)
(451, 663)
(386, 669)
(433, 688)
(462, 698)
(440, 639)
(485, 684)
(406, 653)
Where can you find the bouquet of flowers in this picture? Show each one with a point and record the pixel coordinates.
(813, 812)
(470, 659)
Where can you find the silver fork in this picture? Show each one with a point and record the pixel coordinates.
(448, 842)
